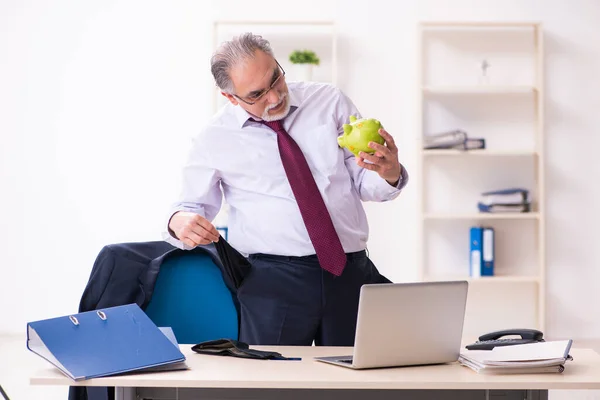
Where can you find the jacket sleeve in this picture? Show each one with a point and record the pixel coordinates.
(99, 277)
(117, 272)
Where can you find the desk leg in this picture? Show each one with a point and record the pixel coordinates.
(537, 395)
(516, 395)
(125, 393)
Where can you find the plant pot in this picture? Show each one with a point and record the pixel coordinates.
(303, 72)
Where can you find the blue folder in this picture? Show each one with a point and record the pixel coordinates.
(488, 252)
(476, 251)
(104, 342)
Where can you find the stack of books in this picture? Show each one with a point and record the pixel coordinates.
(531, 358)
(505, 200)
(454, 139)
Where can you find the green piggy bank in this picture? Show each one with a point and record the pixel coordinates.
(359, 133)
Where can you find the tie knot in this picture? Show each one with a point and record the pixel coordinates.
(277, 126)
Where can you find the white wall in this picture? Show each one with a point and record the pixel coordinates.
(98, 101)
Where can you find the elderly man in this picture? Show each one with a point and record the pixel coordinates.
(294, 196)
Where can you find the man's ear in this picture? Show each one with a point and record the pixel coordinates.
(231, 98)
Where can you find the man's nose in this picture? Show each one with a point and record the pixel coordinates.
(273, 96)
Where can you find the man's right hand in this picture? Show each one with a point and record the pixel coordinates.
(193, 229)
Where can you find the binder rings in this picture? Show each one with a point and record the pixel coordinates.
(104, 342)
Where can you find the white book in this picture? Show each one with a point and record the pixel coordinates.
(490, 369)
(535, 357)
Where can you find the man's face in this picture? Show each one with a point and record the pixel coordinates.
(260, 81)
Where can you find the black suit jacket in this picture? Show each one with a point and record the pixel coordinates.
(126, 273)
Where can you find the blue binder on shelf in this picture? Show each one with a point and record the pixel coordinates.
(104, 342)
(476, 250)
(488, 250)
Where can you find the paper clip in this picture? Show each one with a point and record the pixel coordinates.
(73, 320)
(101, 315)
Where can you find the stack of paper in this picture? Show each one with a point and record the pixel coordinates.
(531, 358)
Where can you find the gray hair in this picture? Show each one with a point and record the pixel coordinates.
(232, 52)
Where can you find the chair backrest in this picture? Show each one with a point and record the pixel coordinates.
(191, 297)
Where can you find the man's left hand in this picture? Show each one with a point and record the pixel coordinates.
(384, 160)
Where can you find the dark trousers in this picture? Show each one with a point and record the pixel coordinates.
(293, 301)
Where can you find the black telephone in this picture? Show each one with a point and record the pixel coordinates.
(493, 339)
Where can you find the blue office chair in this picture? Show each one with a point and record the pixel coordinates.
(191, 297)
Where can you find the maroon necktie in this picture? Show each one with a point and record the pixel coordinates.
(312, 207)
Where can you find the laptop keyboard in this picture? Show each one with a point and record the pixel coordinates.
(346, 361)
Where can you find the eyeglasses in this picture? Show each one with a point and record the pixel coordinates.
(253, 98)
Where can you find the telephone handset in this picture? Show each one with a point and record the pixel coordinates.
(493, 339)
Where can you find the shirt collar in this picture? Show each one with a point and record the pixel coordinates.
(243, 117)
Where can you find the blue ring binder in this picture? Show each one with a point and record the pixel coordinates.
(104, 342)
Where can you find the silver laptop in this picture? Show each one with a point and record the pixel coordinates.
(402, 324)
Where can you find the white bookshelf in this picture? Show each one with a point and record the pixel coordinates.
(505, 108)
(479, 152)
(472, 90)
(481, 216)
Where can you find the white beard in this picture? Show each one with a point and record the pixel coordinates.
(286, 109)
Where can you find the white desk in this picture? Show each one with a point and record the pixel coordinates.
(233, 378)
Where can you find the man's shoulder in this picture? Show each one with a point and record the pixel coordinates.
(223, 119)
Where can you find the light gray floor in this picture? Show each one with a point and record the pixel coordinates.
(16, 362)
(14, 374)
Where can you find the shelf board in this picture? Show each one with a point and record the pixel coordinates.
(478, 152)
(480, 24)
(484, 279)
(482, 89)
(481, 216)
(275, 22)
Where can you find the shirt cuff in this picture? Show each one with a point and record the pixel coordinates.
(167, 237)
(391, 191)
(403, 178)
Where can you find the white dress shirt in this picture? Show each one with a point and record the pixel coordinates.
(239, 158)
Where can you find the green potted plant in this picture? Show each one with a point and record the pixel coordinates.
(304, 60)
